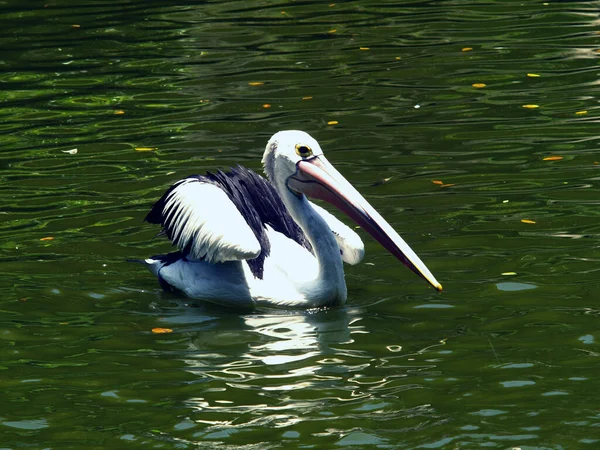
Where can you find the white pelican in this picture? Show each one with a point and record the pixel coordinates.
(245, 241)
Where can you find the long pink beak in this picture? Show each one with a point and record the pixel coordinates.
(317, 178)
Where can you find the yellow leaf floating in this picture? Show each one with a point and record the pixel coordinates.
(75, 26)
(478, 85)
(161, 330)
(398, 58)
(531, 106)
(437, 182)
(332, 122)
(506, 274)
(447, 185)
(467, 49)
(365, 48)
(256, 83)
(48, 238)
(332, 31)
(266, 106)
(533, 75)
(119, 111)
(581, 113)
(527, 221)
(553, 158)
(308, 97)
(144, 149)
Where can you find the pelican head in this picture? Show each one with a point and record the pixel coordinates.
(294, 160)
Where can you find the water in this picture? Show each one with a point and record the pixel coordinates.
(148, 92)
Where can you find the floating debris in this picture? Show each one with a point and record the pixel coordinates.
(332, 122)
(478, 85)
(385, 180)
(266, 106)
(144, 149)
(73, 151)
(528, 221)
(48, 238)
(161, 330)
(256, 83)
(553, 158)
(467, 49)
(508, 274)
(581, 113)
(531, 106)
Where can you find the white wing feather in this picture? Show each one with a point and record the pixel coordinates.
(204, 219)
(350, 243)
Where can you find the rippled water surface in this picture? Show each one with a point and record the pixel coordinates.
(430, 124)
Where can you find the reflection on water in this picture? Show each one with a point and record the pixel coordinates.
(265, 369)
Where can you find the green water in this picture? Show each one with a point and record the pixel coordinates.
(496, 361)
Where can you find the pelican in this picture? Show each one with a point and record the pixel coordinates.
(245, 240)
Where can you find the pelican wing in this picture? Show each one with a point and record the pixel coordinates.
(351, 246)
(200, 219)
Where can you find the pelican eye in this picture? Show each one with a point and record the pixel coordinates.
(303, 150)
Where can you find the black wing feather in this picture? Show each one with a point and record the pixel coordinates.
(254, 197)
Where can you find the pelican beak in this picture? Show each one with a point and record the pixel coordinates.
(317, 178)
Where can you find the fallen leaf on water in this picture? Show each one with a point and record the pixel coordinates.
(581, 113)
(478, 85)
(161, 330)
(437, 182)
(119, 111)
(531, 106)
(49, 238)
(364, 48)
(506, 274)
(308, 97)
(527, 221)
(385, 180)
(331, 5)
(596, 162)
(75, 26)
(467, 49)
(266, 105)
(144, 149)
(256, 83)
(553, 158)
(332, 31)
(332, 122)
(398, 58)
(447, 185)
(533, 75)
(73, 151)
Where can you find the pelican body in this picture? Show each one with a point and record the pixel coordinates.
(245, 240)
